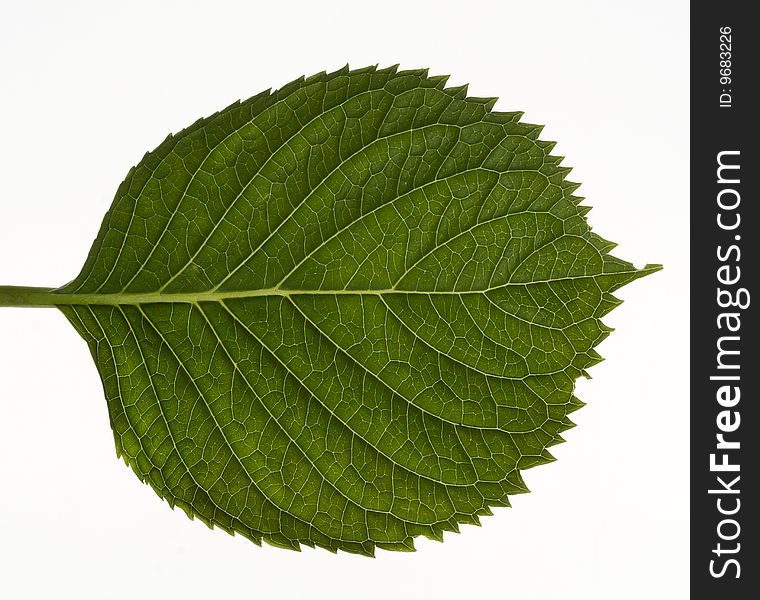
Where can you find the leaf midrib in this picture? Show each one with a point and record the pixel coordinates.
(19, 296)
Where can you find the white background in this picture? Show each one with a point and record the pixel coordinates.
(87, 88)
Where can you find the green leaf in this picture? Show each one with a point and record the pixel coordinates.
(345, 313)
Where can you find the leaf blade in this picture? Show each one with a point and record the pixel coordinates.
(345, 313)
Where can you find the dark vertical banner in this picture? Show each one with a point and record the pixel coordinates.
(725, 297)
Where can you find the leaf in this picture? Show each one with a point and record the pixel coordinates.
(345, 313)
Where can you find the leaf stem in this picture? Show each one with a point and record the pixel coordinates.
(17, 296)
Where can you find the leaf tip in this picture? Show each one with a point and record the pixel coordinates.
(650, 268)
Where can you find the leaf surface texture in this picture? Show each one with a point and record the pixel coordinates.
(345, 313)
